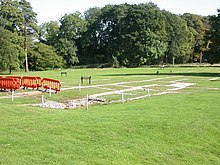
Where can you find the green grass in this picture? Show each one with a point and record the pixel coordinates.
(173, 129)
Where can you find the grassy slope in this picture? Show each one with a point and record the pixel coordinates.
(171, 129)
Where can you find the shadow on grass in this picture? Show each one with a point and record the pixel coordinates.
(202, 74)
(5, 73)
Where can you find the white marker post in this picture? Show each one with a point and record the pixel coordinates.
(79, 87)
(87, 102)
(122, 98)
(148, 92)
(42, 100)
(50, 92)
(12, 95)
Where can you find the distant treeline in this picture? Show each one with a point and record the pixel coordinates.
(119, 35)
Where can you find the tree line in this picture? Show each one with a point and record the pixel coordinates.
(115, 35)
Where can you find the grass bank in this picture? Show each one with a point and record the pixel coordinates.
(172, 129)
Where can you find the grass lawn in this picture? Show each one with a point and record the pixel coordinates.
(181, 128)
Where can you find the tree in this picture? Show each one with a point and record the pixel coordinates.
(214, 37)
(10, 15)
(44, 57)
(71, 28)
(10, 50)
(198, 27)
(121, 33)
(88, 43)
(145, 35)
(179, 39)
(18, 16)
(48, 32)
(67, 50)
(28, 26)
(72, 25)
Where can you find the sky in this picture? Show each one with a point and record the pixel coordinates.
(48, 10)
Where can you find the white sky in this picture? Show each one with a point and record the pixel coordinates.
(54, 9)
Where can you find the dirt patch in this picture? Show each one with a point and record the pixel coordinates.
(23, 94)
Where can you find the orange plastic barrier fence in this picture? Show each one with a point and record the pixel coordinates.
(38, 82)
(14, 83)
(51, 84)
(18, 77)
(31, 82)
(9, 83)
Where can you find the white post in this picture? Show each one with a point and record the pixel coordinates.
(122, 98)
(42, 99)
(148, 92)
(12, 95)
(79, 87)
(87, 102)
(50, 92)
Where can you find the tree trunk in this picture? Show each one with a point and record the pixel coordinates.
(25, 49)
(10, 69)
(26, 61)
(200, 59)
(173, 61)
